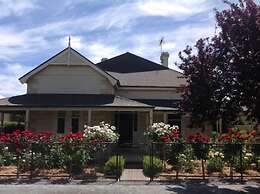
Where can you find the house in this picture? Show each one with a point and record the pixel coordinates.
(128, 91)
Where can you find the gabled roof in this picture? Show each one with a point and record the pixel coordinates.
(134, 71)
(68, 56)
(70, 100)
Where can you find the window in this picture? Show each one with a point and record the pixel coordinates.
(61, 125)
(135, 122)
(75, 125)
(61, 122)
(174, 119)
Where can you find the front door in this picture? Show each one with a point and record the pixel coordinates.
(125, 127)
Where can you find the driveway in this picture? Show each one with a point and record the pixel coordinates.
(186, 187)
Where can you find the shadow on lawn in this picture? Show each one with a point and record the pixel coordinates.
(208, 187)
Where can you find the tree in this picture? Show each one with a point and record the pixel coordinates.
(240, 35)
(207, 95)
(223, 74)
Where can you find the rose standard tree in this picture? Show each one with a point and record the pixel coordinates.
(169, 140)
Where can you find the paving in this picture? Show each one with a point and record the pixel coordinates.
(185, 187)
(133, 175)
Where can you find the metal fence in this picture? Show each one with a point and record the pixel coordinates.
(87, 161)
(237, 160)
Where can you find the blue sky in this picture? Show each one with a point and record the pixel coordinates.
(32, 31)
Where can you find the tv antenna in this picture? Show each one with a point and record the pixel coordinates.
(162, 41)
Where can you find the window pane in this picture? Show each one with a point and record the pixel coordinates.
(61, 125)
(75, 125)
(174, 119)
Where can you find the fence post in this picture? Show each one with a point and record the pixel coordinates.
(151, 161)
(203, 168)
(231, 167)
(117, 166)
(70, 167)
(241, 162)
(17, 164)
(31, 165)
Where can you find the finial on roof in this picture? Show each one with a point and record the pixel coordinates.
(69, 42)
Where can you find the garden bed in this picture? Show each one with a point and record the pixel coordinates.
(169, 174)
(88, 173)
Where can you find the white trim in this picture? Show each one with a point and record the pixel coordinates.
(147, 88)
(150, 117)
(89, 117)
(27, 76)
(165, 117)
(27, 119)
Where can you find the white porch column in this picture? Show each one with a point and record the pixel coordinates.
(165, 117)
(89, 117)
(150, 117)
(27, 119)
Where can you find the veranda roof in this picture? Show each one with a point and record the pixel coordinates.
(70, 100)
(162, 104)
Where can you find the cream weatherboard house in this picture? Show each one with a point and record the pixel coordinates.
(69, 91)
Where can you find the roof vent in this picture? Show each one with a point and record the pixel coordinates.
(104, 59)
(164, 58)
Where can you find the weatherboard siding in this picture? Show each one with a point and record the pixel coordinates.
(43, 120)
(150, 94)
(64, 79)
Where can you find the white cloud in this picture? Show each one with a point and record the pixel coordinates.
(147, 44)
(10, 84)
(116, 22)
(16, 7)
(174, 8)
(75, 41)
(14, 42)
(95, 51)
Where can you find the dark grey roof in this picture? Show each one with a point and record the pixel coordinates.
(70, 100)
(132, 70)
(162, 104)
(129, 63)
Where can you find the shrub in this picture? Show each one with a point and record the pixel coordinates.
(181, 157)
(215, 162)
(215, 165)
(247, 159)
(12, 126)
(152, 169)
(188, 164)
(114, 166)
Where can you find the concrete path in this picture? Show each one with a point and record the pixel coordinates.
(187, 187)
(133, 175)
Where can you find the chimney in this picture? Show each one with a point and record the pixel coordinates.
(104, 59)
(164, 58)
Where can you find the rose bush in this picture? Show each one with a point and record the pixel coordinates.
(45, 150)
(234, 141)
(163, 133)
(102, 133)
(215, 161)
(200, 146)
